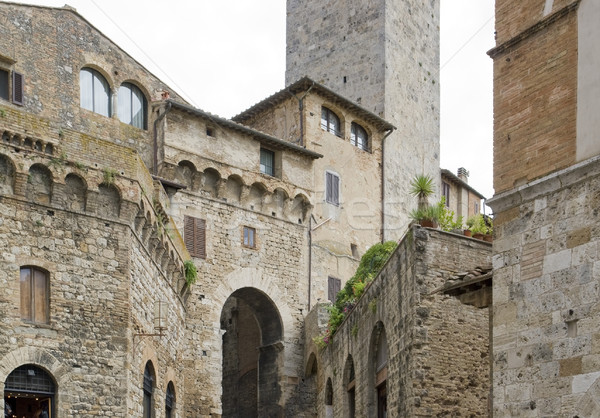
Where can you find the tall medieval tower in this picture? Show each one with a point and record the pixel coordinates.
(546, 338)
(385, 57)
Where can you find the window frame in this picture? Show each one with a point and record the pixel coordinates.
(148, 386)
(5, 83)
(132, 89)
(334, 285)
(446, 192)
(29, 313)
(355, 130)
(249, 237)
(266, 151)
(327, 115)
(194, 236)
(103, 81)
(170, 400)
(332, 194)
(14, 85)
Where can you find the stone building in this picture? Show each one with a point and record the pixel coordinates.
(547, 183)
(110, 183)
(417, 341)
(459, 196)
(384, 56)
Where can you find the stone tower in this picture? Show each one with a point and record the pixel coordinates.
(546, 225)
(384, 56)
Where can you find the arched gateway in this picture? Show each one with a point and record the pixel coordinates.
(29, 391)
(252, 355)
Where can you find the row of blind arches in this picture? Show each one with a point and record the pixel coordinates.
(95, 95)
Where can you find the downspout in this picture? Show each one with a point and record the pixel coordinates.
(156, 122)
(301, 108)
(309, 259)
(381, 232)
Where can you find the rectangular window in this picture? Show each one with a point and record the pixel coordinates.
(333, 287)
(249, 237)
(4, 84)
(446, 193)
(34, 295)
(332, 188)
(476, 208)
(17, 88)
(194, 235)
(267, 162)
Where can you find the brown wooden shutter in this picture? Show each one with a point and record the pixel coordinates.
(26, 293)
(194, 235)
(17, 88)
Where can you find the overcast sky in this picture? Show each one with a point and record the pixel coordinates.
(226, 55)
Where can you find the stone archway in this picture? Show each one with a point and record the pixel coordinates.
(252, 355)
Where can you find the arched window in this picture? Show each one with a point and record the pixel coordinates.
(94, 91)
(381, 359)
(29, 388)
(359, 137)
(329, 398)
(148, 390)
(350, 383)
(170, 400)
(132, 106)
(330, 122)
(35, 300)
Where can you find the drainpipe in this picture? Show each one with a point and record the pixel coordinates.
(301, 108)
(309, 259)
(156, 122)
(381, 233)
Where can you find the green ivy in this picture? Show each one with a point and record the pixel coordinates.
(191, 272)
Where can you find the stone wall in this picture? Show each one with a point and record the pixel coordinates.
(546, 295)
(438, 360)
(94, 231)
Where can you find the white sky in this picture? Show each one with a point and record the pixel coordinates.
(226, 55)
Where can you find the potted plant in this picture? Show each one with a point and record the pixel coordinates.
(421, 186)
(478, 225)
(427, 217)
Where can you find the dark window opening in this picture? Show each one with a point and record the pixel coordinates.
(4, 84)
(446, 193)
(148, 390)
(170, 400)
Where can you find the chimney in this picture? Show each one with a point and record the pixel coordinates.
(463, 174)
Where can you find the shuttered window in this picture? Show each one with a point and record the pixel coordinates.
(195, 236)
(333, 287)
(17, 88)
(332, 188)
(35, 300)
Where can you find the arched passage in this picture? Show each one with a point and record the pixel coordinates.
(378, 371)
(29, 391)
(252, 355)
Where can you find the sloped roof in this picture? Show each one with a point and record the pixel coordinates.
(454, 178)
(266, 139)
(468, 280)
(305, 84)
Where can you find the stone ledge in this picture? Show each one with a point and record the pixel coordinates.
(543, 186)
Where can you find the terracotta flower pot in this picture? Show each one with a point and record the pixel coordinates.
(488, 238)
(467, 232)
(427, 223)
(478, 236)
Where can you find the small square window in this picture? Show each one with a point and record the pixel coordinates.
(249, 237)
(267, 162)
(210, 131)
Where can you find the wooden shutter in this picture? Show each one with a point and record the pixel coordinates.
(40, 296)
(329, 187)
(336, 189)
(17, 88)
(194, 235)
(26, 293)
(333, 287)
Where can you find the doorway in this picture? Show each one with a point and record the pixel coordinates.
(29, 392)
